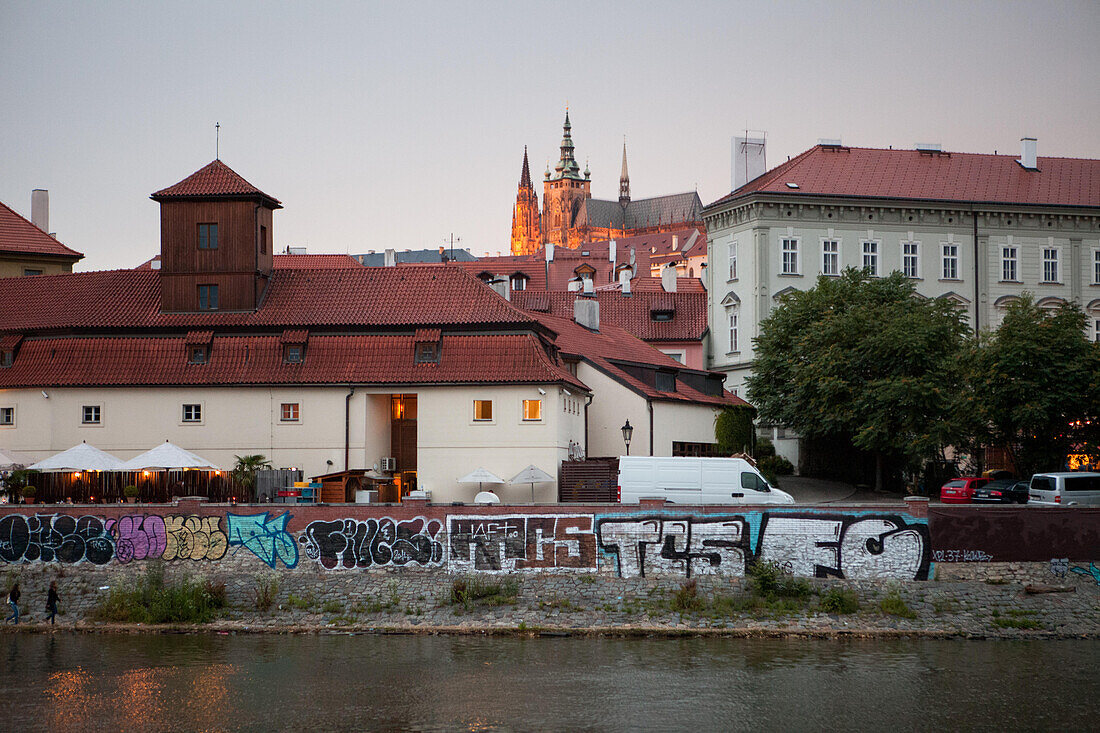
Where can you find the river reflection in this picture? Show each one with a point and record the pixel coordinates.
(62, 682)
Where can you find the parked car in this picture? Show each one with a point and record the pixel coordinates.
(1065, 489)
(687, 480)
(1002, 491)
(961, 490)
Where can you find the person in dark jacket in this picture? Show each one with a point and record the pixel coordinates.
(13, 601)
(51, 600)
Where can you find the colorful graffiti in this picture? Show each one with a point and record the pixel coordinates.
(1091, 572)
(351, 543)
(55, 538)
(521, 542)
(815, 545)
(264, 536)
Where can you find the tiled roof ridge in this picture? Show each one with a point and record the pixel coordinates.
(50, 239)
(201, 183)
(945, 151)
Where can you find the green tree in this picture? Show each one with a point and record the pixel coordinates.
(865, 360)
(244, 472)
(1035, 385)
(733, 430)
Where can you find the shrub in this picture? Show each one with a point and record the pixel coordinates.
(686, 598)
(771, 580)
(301, 603)
(130, 492)
(265, 593)
(152, 600)
(764, 448)
(894, 605)
(840, 601)
(733, 430)
(468, 592)
(29, 491)
(332, 607)
(776, 464)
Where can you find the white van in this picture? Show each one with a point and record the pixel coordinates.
(1064, 489)
(695, 481)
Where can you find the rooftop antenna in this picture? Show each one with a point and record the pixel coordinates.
(217, 140)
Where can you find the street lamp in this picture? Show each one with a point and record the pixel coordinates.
(628, 433)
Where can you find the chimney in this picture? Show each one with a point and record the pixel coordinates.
(675, 242)
(586, 312)
(390, 258)
(589, 285)
(573, 285)
(1029, 154)
(668, 278)
(625, 282)
(500, 285)
(631, 256)
(155, 264)
(749, 159)
(611, 254)
(40, 209)
(549, 251)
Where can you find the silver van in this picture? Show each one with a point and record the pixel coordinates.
(1064, 489)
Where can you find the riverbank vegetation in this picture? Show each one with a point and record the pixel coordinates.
(472, 591)
(153, 599)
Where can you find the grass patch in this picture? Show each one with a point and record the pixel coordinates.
(302, 603)
(152, 600)
(1016, 622)
(474, 591)
(894, 605)
(839, 600)
(771, 580)
(264, 593)
(686, 599)
(332, 607)
(942, 606)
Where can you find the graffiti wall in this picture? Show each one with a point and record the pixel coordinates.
(854, 544)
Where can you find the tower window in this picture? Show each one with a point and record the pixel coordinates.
(208, 236)
(208, 297)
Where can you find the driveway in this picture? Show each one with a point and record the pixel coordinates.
(822, 491)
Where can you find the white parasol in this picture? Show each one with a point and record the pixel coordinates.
(532, 475)
(481, 476)
(81, 457)
(8, 462)
(167, 457)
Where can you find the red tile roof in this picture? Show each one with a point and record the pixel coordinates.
(632, 313)
(360, 359)
(410, 295)
(315, 262)
(911, 174)
(215, 179)
(19, 236)
(610, 347)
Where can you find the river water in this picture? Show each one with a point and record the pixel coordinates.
(65, 681)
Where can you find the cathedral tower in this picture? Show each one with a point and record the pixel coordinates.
(526, 227)
(563, 194)
(624, 182)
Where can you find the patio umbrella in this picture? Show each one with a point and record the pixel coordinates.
(82, 457)
(167, 457)
(532, 475)
(8, 462)
(481, 476)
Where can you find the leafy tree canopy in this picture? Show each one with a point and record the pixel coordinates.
(1036, 385)
(863, 358)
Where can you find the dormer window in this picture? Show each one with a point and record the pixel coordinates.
(661, 315)
(427, 353)
(519, 281)
(208, 236)
(292, 353)
(426, 345)
(665, 382)
(196, 355)
(7, 358)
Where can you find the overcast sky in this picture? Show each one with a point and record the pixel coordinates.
(395, 124)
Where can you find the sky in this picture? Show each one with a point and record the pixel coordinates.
(397, 124)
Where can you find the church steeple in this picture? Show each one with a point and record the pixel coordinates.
(624, 181)
(525, 175)
(567, 166)
(526, 225)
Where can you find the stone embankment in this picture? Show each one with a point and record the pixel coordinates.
(988, 600)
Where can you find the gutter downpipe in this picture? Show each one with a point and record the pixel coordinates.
(587, 402)
(347, 425)
(650, 404)
(977, 280)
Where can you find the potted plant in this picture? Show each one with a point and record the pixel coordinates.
(28, 492)
(131, 493)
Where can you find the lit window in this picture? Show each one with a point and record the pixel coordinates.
(790, 256)
(1010, 257)
(483, 410)
(870, 257)
(7, 416)
(289, 412)
(830, 257)
(950, 261)
(910, 259)
(1050, 265)
(91, 415)
(733, 260)
(208, 297)
(532, 409)
(208, 236)
(196, 355)
(292, 353)
(192, 413)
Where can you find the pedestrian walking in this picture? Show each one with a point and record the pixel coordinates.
(13, 601)
(51, 600)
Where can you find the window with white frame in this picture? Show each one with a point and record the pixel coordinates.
(1050, 265)
(1010, 264)
(870, 256)
(733, 330)
(1096, 267)
(90, 415)
(289, 412)
(532, 410)
(7, 416)
(733, 260)
(192, 413)
(483, 410)
(830, 256)
(950, 260)
(790, 256)
(1096, 330)
(910, 259)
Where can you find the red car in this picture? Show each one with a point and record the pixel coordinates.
(961, 490)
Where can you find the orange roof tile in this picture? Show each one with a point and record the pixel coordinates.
(19, 236)
(214, 179)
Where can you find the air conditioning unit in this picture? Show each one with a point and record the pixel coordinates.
(389, 464)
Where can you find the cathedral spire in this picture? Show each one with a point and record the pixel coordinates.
(624, 180)
(526, 224)
(525, 176)
(567, 166)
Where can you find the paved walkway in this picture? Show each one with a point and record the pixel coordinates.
(822, 491)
